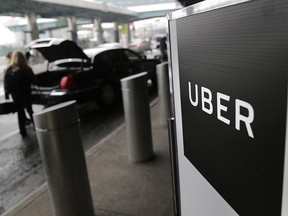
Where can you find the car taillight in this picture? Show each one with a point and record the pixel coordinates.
(67, 82)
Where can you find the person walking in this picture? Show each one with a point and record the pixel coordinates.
(17, 81)
(163, 49)
(8, 57)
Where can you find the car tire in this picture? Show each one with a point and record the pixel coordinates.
(107, 95)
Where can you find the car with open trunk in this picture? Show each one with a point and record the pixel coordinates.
(85, 75)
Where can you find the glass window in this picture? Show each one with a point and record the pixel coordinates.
(101, 60)
(110, 57)
(117, 56)
(132, 56)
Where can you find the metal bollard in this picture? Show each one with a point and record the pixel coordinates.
(58, 134)
(163, 92)
(137, 117)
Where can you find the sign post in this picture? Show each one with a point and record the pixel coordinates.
(230, 67)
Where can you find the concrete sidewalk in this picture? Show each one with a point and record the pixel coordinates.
(119, 187)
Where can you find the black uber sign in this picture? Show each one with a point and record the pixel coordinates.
(233, 65)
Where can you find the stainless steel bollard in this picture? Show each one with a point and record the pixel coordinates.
(58, 134)
(137, 117)
(163, 92)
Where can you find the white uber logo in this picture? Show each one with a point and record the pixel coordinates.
(206, 105)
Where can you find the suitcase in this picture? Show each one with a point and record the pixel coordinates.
(7, 107)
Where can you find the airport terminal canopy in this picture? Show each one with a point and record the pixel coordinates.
(55, 8)
(128, 3)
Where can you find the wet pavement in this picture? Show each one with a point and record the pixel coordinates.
(119, 187)
(21, 170)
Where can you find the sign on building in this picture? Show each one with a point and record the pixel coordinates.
(229, 63)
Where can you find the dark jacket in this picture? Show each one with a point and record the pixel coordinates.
(17, 81)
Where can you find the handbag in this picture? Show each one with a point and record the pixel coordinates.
(7, 107)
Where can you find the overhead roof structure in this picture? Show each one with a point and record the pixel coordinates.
(189, 2)
(129, 3)
(107, 10)
(55, 8)
(148, 8)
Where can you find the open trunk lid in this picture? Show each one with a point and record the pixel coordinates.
(57, 48)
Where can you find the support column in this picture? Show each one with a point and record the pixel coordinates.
(32, 25)
(98, 31)
(116, 32)
(72, 28)
(125, 32)
(129, 33)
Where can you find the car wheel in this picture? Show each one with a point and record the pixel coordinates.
(107, 95)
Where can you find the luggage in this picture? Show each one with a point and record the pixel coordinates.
(7, 107)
